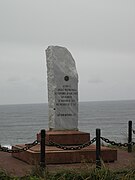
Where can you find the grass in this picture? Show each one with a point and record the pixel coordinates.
(74, 174)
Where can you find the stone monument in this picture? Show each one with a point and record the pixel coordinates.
(63, 98)
(62, 89)
(63, 116)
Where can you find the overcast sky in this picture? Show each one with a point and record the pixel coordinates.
(100, 34)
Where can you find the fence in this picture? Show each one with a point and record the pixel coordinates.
(96, 139)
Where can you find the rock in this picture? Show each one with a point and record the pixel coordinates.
(62, 89)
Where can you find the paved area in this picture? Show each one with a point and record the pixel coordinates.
(19, 168)
(13, 166)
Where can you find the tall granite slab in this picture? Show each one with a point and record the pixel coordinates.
(62, 89)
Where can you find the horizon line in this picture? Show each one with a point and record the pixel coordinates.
(30, 103)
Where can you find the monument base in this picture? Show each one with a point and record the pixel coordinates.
(66, 137)
(59, 156)
(54, 155)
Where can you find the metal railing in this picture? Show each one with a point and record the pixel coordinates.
(27, 147)
(96, 139)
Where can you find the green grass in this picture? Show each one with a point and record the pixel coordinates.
(73, 174)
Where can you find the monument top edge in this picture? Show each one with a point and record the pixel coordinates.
(52, 47)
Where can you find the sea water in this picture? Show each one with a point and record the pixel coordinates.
(20, 123)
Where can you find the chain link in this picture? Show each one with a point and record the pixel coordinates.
(116, 144)
(73, 147)
(79, 147)
(27, 146)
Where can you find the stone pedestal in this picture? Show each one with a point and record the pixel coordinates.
(59, 156)
(66, 137)
(56, 155)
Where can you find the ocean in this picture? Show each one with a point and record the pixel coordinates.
(20, 123)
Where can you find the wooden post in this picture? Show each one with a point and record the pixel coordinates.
(42, 149)
(98, 149)
(129, 136)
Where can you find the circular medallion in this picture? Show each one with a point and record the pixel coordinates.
(66, 78)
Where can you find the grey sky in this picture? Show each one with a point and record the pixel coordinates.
(100, 34)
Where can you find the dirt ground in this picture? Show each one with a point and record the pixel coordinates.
(16, 167)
